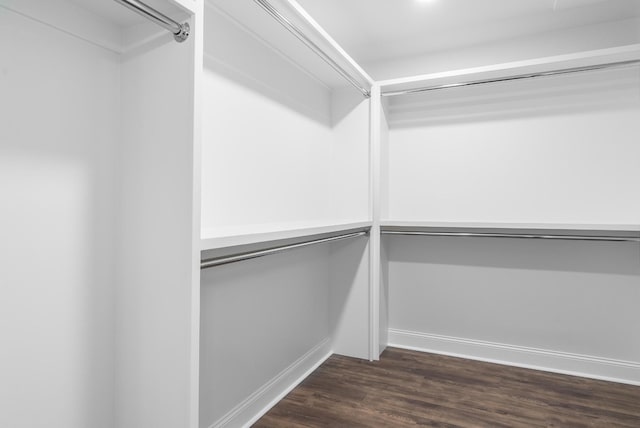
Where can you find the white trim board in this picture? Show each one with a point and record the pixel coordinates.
(375, 123)
(262, 400)
(607, 369)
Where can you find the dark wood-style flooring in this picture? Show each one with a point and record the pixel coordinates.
(407, 388)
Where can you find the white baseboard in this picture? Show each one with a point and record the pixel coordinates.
(259, 403)
(540, 359)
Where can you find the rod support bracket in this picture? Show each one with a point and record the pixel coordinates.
(183, 34)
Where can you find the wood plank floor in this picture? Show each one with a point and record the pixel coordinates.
(407, 388)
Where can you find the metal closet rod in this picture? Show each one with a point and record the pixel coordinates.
(180, 31)
(516, 235)
(311, 45)
(217, 261)
(619, 64)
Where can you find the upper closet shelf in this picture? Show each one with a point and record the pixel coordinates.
(102, 22)
(230, 237)
(524, 230)
(284, 27)
(505, 71)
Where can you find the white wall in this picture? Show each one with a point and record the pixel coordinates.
(577, 39)
(384, 157)
(557, 150)
(59, 138)
(349, 307)
(266, 135)
(156, 357)
(278, 148)
(383, 198)
(384, 297)
(552, 150)
(349, 167)
(266, 322)
(574, 300)
(258, 318)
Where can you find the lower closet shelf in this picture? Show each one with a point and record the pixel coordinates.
(588, 232)
(257, 234)
(247, 255)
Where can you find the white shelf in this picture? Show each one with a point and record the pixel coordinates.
(491, 225)
(104, 23)
(618, 230)
(579, 59)
(230, 237)
(259, 24)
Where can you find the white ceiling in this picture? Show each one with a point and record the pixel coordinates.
(377, 30)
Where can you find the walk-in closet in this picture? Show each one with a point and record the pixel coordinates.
(208, 206)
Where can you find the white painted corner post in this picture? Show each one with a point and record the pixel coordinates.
(374, 236)
(198, 72)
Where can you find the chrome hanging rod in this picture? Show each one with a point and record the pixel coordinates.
(311, 45)
(217, 261)
(534, 75)
(180, 31)
(515, 235)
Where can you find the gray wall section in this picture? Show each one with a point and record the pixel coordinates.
(567, 296)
